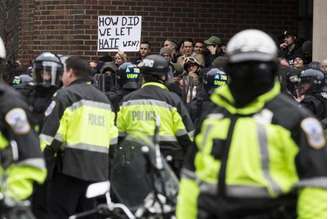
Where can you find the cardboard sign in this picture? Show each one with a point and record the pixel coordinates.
(119, 33)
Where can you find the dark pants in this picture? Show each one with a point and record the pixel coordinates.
(66, 196)
(39, 200)
(216, 207)
(176, 162)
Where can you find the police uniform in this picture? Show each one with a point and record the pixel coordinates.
(138, 112)
(78, 133)
(21, 161)
(312, 86)
(47, 70)
(248, 161)
(129, 81)
(317, 104)
(212, 79)
(261, 157)
(38, 94)
(39, 99)
(198, 105)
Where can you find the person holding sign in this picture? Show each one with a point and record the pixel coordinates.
(120, 58)
(119, 33)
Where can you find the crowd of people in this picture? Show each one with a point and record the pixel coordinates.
(189, 61)
(238, 146)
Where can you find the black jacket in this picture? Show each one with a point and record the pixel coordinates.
(317, 104)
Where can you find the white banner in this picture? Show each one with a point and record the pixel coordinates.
(119, 33)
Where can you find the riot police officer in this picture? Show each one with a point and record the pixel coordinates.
(140, 108)
(47, 70)
(212, 79)
(289, 80)
(313, 96)
(21, 161)
(23, 84)
(257, 153)
(106, 79)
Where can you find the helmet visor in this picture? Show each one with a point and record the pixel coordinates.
(47, 73)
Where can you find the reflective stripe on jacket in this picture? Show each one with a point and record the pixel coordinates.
(139, 109)
(263, 151)
(21, 161)
(80, 128)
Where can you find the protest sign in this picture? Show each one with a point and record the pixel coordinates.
(119, 33)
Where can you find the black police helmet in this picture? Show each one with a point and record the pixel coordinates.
(252, 65)
(314, 77)
(154, 65)
(129, 76)
(47, 69)
(108, 66)
(21, 81)
(292, 80)
(214, 78)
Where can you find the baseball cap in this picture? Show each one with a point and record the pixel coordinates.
(213, 40)
(287, 33)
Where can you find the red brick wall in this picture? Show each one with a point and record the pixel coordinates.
(9, 24)
(70, 26)
(26, 43)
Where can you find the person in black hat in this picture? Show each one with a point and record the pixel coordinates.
(289, 47)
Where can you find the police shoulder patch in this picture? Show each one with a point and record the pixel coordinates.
(314, 133)
(50, 108)
(17, 120)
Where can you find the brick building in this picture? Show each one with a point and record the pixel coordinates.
(70, 26)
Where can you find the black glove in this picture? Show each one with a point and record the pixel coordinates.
(50, 158)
